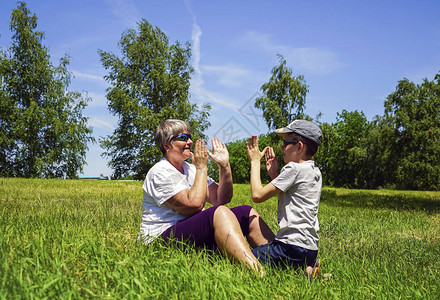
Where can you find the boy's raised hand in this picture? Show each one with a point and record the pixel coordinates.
(252, 149)
(271, 163)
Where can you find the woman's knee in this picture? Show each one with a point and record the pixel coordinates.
(254, 217)
(225, 218)
(253, 212)
(222, 212)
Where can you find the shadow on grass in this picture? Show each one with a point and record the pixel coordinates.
(378, 199)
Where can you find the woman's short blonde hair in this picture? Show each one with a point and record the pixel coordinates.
(167, 130)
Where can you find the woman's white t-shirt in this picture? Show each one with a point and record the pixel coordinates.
(162, 182)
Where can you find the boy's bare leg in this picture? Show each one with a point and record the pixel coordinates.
(259, 232)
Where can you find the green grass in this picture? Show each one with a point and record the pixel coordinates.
(78, 239)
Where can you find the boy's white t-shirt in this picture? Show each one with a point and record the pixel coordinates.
(162, 182)
(298, 203)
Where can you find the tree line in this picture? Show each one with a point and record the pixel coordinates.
(43, 132)
(398, 150)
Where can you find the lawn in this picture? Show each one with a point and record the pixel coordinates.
(78, 239)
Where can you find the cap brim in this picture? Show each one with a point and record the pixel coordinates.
(281, 131)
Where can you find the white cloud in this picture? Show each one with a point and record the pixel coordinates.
(196, 88)
(230, 75)
(98, 100)
(207, 96)
(260, 40)
(89, 77)
(126, 11)
(195, 37)
(107, 124)
(311, 60)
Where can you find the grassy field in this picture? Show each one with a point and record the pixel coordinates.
(78, 239)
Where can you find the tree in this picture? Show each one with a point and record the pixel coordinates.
(284, 97)
(43, 132)
(381, 160)
(413, 111)
(342, 154)
(349, 154)
(239, 160)
(324, 156)
(148, 85)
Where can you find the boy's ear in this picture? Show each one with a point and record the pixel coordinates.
(301, 146)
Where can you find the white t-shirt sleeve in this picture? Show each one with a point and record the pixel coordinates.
(163, 185)
(286, 178)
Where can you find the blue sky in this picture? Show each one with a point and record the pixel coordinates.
(352, 53)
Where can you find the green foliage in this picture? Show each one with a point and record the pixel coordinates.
(77, 239)
(413, 110)
(148, 85)
(239, 160)
(324, 156)
(342, 154)
(398, 150)
(381, 161)
(42, 132)
(284, 97)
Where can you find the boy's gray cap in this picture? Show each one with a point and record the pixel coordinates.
(302, 127)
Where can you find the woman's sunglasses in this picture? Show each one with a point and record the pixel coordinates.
(183, 137)
(286, 143)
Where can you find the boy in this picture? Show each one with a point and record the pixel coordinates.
(298, 187)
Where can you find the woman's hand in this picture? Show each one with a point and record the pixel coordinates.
(252, 149)
(219, 154)
(191, 201)
(200, 155)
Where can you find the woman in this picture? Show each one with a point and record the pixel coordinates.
(175, 193)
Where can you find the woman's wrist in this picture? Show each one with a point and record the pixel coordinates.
(201, 168)
(224, 166)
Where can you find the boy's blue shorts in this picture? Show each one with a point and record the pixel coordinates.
(279, 254)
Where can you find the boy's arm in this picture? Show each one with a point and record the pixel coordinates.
(259, 193)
